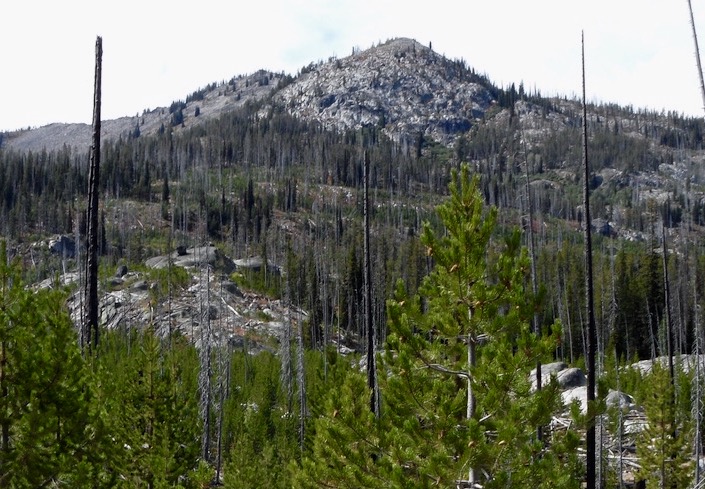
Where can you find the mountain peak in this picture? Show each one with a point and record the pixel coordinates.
(401, 86)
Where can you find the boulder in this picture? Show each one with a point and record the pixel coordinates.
(620, 400)
(193, 258)
(255, 264)
(232, 288)
(578, 394)
(687, 363)
(570, 378)
(157, 262)
(63, 246)
(548, 370)
(613, 399)
(140, 285)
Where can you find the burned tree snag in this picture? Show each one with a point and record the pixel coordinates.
(589, 293)
(369, 324)
(89, 337)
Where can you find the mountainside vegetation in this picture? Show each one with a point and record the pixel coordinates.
(245, 366)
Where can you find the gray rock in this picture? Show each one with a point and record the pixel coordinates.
(115, 282)
(548, 370)
(570, 378)
(197, 257)
(255, 263)
(613, 399)
(578, 394)
(157, 262)
(140, 285)
(232, 288)
(63, 246)
(687, 363)
(193, 257)
(619, 399)
(121, 271)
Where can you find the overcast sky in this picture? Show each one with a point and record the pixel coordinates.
(638, 52)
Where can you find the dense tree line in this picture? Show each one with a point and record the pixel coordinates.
(260, 182)
(457, 402)
(232, 179)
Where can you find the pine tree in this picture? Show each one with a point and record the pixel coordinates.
(262, 430)
(664, 446)
(455, 384)
(51, 432)
(468, 334)
(151, 397)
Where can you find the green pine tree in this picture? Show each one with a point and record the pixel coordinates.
(50, 432)
(261, 428)
(664, 447)
(151, 397)
(457, 400)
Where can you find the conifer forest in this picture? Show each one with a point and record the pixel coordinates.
(285, 302)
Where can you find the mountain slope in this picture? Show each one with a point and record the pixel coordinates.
(211, 102)
(402, 86)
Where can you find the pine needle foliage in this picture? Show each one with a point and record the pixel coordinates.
(664, 447)
(50, 433)
(468, 327)
(150, 394)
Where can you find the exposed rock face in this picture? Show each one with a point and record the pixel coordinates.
(572, 382)
(574, 390)
(685, 362)
(248, 319)
(63, 246)
(616, 399)
(570, 378)
(401, 85)
(548, 370)
(255, 263)
(193, 257)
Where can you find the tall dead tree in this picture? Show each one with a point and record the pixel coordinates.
(301, 383)
(697, 53)
(698, 405)
(205, 371)
(697, 390)
(536, 327)
(369, 323)
(667, 300)
(89, 336)
(589, 294)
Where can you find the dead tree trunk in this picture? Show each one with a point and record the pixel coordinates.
(369, 324)
(534, 285)
(697, 54)
(589, 308)
(698, 406)
(205, 373)
(224, 388)
(667, 300)
(89, 337)
(301, 381)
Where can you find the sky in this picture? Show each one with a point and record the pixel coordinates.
(637, 52)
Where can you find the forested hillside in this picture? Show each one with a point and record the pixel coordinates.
(235, 325)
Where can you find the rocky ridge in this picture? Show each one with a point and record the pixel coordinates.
(219, 99)
(401, 86)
